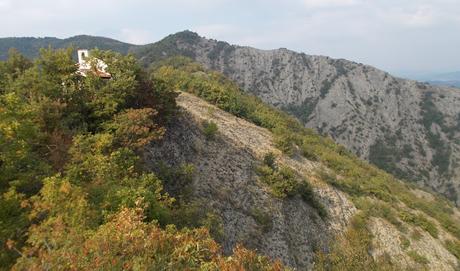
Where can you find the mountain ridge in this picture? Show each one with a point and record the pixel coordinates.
(384, 204)
(29, 46)
(412, 133)
(193, 155)
(406, 127)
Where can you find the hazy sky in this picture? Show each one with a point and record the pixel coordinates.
(395, 35)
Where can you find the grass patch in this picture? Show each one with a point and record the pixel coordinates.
(283, 183)
(374, 208)
(405, 242)
(417, 257)
(453, 247)
(421, 221)
(210, 129)
(416, 235)
(351, 251)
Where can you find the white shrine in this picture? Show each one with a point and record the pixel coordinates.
(86, 65)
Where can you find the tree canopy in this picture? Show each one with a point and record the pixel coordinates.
(74, 192)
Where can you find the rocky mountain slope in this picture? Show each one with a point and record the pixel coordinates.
(244, 171)
(408, 128)
(225, 179)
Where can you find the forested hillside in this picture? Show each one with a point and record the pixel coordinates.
(30, 47)
(126, 174)
(75, 194)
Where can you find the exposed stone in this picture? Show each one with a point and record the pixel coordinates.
(408, 128)
(225, 179)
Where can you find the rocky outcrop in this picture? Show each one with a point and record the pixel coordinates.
(421, 253)
(226, 181)
(408, 128)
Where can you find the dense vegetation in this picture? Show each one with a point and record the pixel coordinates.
(74, 194)
(283, 182)
(431, 115)
(374, 192)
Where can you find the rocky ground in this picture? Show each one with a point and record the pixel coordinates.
(226, 181)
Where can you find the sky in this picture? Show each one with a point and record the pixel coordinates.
(412, 36)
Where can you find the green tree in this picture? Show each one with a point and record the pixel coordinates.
(126, 242)
(20, 161)
(13, 226)
(135, 128)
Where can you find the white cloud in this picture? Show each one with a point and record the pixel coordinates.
(329, 3)
(5, 4)
(421, 16)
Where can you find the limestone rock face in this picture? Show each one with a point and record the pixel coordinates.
(226, 181)
(408, 128)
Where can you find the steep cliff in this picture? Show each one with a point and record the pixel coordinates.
(293, 231)
(408, 128)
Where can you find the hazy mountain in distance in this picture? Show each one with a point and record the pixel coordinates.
(450, 79)
(30, 47)
(445, 79)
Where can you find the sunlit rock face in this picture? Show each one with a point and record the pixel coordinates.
(408, 128)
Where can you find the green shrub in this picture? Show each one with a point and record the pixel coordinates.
(210, 129)
(308, 195)
(282, 181)
(284, 143)
(263, 219)
(309, 152)
(214, 224)
(178, 179)
(270, 160)
(421, 221)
